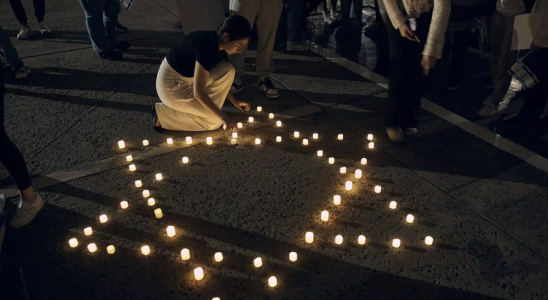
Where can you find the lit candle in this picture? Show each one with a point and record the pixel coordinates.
(279, 123)
(410, 218)
(169, 141)
(121, 144)
(371, 145)
(258, 262)
(337, 200)
(309, 237)
(271, 116)
(396, 243)
(348, 185)
(132, 168)
(92, 247)
(159, 176)
(209, 140)
(145, 142)
(103, 218)
(293, 256)
(170, 231)
(185, 160)
(88, 231)
(129, 158)
(343, 170)
(340, 136)
(338, 239)
(393, 205)
(378, 189)
(358, 173)
(251, 120)
(259, 108)
(361, 240)
(73, 242)
(233, 141)
(370, 137)
(429, 240)
(278, 139)
(364, 161)
(331, 160)
(151, 202)
(272, 281)
(199, 273)
(138, 183)
(296, 134)
(235, 135)
(320, 153)
(258, 141)
(305, 142)
(158, 213)
(315, 136)
(145, 250)
(124, 204)
(218, 257)
(188, 140)
(216, 298)
(185, 254)
(146, 193)
(111, 249)
(240, 125)
(325, 215)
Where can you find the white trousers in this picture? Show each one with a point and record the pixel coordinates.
(180, 110)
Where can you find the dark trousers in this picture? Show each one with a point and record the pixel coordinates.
(534, 99)
(356, 5)
(295, 10)
(10, 155)
(19, 10)
(459, 49)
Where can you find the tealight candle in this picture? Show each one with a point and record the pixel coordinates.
(320, 153)
(429, 240)
(348, 185)
(309, 237)
(209, 140)
(278, 139)
(88, 231)
(337, 200)
(305, 142)
(251, 120)
(188, 140)
(371, 145)
(393, 205)
(151, 202)
(233, 141)
(159, 176)
(343, 170)
(410, 218)
(279, 123)
(370, 137)
(121, 144)
(340, 136)
(129, 158)
(235, 135)
(358, 173)
(240, 125)
(185, 254)
(378, 189)
(338, 239)
(396, 243)
(170, 231)
(103, 218)
(315, 136)
(146, 193)
(271, 116)
(92, 247)
(293, 256)
(111, 249)
(73, 242)
(259, 109)
(132, 168)
(138, 183)
(145, 250)
(258, 262)
(158, 213)
(124, 204)
(216, 298)
(169, 141)
(272, 281)
(199, 273)
(258, 141)
(361, 240)
(364, 161)
(296, 134)
(218, 257)
(145, 142)
(325, 216)
(185, 160)
(331, 160)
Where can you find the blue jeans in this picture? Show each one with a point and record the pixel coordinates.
(294, 21)
(10, 54)
(101, 20)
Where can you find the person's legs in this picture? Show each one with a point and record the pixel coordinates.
(496, 32)
(294, 21)
(507, 58)
(93, 10)
(39, 9)
(11, 55)
(458, 61)
(248, 9)
(268, 16)
(19, 11)
(110, 20)
(396, 88)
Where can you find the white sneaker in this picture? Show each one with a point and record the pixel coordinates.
(490, 110)
(26, 212)
(488, 100)
(44, 29)
(265, 85)
(23, 72)
(24, 33)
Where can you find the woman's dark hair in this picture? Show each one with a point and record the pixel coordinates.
(236, 26)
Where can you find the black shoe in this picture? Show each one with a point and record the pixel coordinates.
(155, 119)
(122, 46)
(111, 55)
(395, 133)
(121, 28)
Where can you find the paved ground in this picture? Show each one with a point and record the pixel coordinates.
(483, 206)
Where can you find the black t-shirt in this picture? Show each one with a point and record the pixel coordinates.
(201, 46)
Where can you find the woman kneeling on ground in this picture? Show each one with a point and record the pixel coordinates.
(195, 79)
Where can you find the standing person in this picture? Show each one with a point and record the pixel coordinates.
(21, 15)
(101, 21)
(14, 162)
(265, 14)
(354, 7)
(295, 10)
(409, 58)
(195, 79)
(10, 58)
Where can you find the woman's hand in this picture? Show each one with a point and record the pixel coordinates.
(230, 125)
(406, 32)
(243, 106)
(428, 63)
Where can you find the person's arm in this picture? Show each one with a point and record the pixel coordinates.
(394, 13)
(436, 34)
(241, 105)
